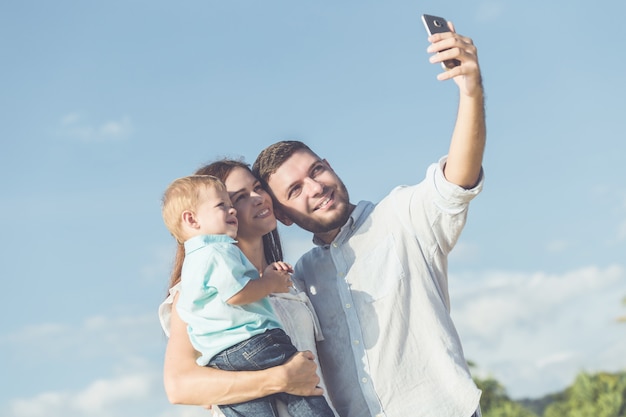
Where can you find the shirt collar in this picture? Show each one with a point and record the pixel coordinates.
(201, 241)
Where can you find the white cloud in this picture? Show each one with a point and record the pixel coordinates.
(97, 324)
(74, 126)
(36, 331)
(139, 394)
(103, 397)
(532, 331)
(558, 246)
(121, 337)
(37, 406)
(555, 358)
(70, 119)
(120, 357)
(535, 332)
(104, 393)
(465, 252)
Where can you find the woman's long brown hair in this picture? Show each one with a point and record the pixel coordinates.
(271, 241)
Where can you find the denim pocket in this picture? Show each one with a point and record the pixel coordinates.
(262, 351)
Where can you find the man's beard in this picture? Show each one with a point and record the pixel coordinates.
(341, 213)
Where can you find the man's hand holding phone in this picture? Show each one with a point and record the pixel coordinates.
(436, 24)
(456, 53)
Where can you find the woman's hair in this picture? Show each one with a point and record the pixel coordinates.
(271, 241)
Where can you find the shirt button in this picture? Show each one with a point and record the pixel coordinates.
(364, 380)
(335, 245)
(348, 306)
(356, 342)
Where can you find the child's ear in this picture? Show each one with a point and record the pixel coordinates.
(189, 219)
(282, 217)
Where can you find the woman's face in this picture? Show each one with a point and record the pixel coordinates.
(255, 212)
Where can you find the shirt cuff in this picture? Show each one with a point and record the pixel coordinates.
(453, 191)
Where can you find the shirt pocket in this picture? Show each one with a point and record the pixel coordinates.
(377, 273)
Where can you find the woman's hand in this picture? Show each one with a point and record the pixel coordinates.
(188, 383)
(301, 375)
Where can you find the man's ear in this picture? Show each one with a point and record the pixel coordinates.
(189, 219)
(282, 217)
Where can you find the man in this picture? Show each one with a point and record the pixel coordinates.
(378, 278)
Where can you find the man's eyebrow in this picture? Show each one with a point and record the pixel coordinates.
(314, 164)
(309, 170)
(290, 187)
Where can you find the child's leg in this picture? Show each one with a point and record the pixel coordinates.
(262, 407)
(271, 348)
(266, 350)
(307, 406)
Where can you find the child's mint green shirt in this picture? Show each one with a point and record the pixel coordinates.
(214, 270)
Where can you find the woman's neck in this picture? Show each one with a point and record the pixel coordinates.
(253, 249)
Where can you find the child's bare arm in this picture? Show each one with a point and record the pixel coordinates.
(275, 278)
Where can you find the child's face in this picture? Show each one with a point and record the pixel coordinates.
(215, 213)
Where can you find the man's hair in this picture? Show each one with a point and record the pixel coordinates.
(272, 157)
(184, 194)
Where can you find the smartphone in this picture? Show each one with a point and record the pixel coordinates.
(436, 24)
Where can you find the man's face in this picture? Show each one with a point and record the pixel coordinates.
(309, 194)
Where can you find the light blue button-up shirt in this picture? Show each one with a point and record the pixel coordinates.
(380, 291)
(213, 271)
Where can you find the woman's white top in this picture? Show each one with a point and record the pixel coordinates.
(297, 316)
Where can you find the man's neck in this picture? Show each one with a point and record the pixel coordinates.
(328, 237)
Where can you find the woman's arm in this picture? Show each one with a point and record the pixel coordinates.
(186, 382)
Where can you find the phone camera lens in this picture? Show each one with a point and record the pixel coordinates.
(437, 23)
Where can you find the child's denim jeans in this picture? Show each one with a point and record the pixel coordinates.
(263, 351)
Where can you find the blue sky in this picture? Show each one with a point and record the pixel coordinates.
(104, 103)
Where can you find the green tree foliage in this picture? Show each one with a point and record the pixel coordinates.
(601, 394)
(494, 401)
(598, 395)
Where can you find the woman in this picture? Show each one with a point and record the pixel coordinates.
(188, 383)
